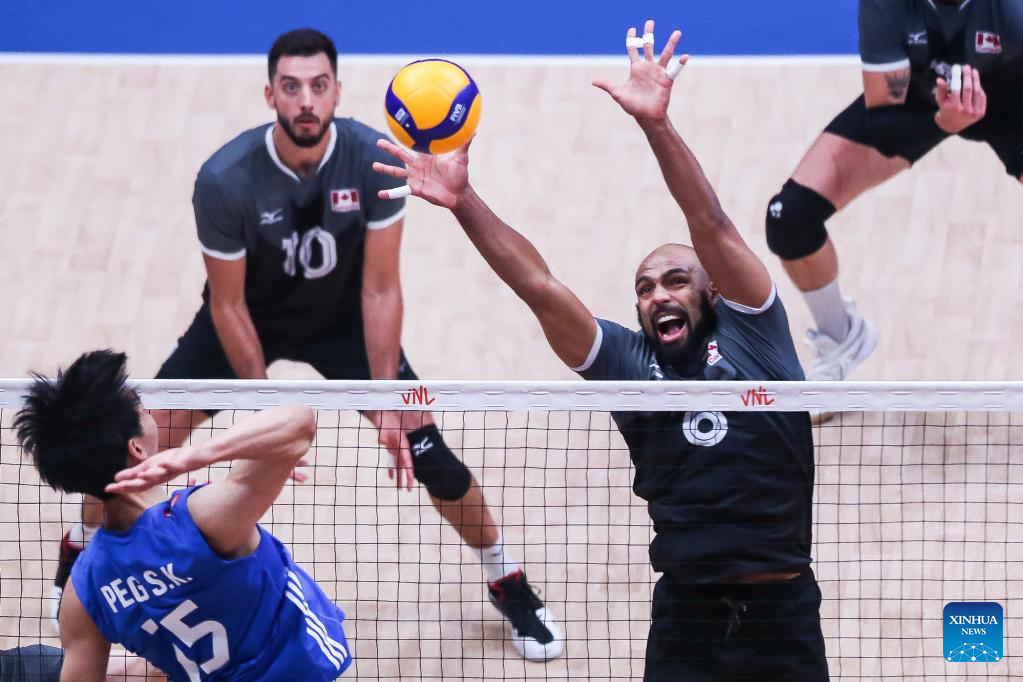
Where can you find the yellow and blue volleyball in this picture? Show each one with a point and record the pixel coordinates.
(433, 106)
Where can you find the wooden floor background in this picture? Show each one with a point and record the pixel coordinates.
(99, 250)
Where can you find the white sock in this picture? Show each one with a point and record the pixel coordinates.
(828, 310)
(495, 560)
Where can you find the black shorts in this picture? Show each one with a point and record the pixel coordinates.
(1001, 129)
(338, 353)
(750, 631)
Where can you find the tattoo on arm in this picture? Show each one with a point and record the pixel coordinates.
(898, 84)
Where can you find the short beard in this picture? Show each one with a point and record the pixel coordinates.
(691, 352)
(304, 142)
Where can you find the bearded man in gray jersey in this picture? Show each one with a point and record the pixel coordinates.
(302, 264)
(931, 69)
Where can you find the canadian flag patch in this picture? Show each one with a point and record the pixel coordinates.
(344, 200)
(988, 43)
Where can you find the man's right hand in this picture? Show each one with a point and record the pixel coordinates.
(960, 110)
(441, 179)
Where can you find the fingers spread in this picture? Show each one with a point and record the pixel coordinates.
(396, 193)
(630, 48)
(669, 48)
(394, 150)
(393, 171)
(605, 86)
(648, 40)
(675, 68)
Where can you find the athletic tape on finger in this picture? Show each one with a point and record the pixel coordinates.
(673, 69)
(648, 38)
(634, 41)
(399, 192)
(956, 83)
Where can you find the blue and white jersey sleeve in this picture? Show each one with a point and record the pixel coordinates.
(219, 224)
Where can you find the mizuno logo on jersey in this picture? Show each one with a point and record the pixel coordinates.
(917, 38)
(344, 200)
(271, 217)
(421, 447)
(988, 43)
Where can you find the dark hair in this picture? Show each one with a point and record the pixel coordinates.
(76, 427)
(302, 42)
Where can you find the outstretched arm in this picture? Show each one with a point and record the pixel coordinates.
(265, 449)
(444, 181)
(735, 270)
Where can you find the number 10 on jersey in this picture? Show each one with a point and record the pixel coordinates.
(300, 249)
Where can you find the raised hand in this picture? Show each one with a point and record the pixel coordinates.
(156, 469)
(439, 178)
(646, 93)
(167, 465)
(959, 110)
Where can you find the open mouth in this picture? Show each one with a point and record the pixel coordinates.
(670, 327)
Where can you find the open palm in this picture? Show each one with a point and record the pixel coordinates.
(647, 91)
(440, 179)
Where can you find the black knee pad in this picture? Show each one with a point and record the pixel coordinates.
(795, 221)
(436, 467)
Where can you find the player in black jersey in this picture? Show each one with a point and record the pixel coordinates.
(302, 264)
(931, 69)
(729, 493)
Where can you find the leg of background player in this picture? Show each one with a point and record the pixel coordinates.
(535, 632)
(469, 516)
(71, 545)
(839, 170)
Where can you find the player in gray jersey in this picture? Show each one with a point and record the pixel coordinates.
(729, 493)
(931, 69)
(302, 263)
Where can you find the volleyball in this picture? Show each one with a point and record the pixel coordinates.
(433, 106)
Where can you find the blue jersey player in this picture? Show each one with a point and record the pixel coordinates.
(191, 583)
(729, 493)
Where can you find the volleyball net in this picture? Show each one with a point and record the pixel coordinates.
(918, 502)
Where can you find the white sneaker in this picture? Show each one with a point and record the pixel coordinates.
(833, 361)
(535, 632)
